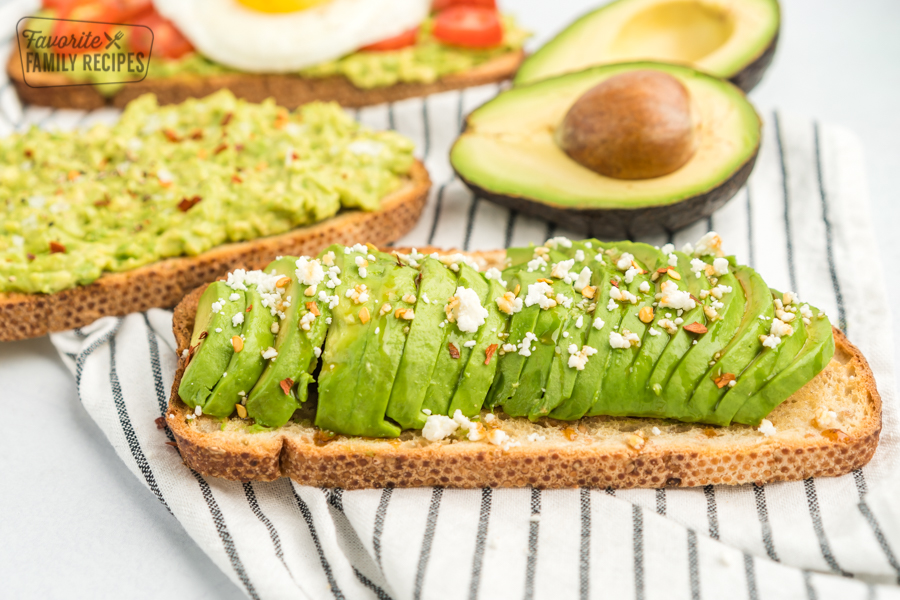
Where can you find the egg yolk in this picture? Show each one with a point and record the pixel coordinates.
(281, 6)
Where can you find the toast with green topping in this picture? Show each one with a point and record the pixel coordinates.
(571, 363)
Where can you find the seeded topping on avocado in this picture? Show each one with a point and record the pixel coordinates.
(113, 198)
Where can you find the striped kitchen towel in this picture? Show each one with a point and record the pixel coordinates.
(803, 221)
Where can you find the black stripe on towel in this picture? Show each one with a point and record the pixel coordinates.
(712, 512)
(812, 499)
(750, 573)
(792, 271)
(480, 540)
(379, 593)
(427, 540)
(128, 429)
(810, 590)
(267, 523)
(426, 130)
(392, 122)
(307, 516)
(380, 515)
(829, 235)
(661, 500)
(762, 511)
(84, 354)
(533, 530)
(510, 228)
(470, 222)
(551, 231)
(637, 519)
(584, 553)
(156, 369)
(869, 516)
(225, 535)
(693, 564)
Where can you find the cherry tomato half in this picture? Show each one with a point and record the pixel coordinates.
(167, 40)
(87, 37)
(407, 38)
(470, 26)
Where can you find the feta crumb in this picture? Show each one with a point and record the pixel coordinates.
(217, 306)
(655, 431)
(780, 328)
(625, 339)
(670, 327)
(237, 319)
(611, 306)
(536, 437)
(584, 279)
(672, 260)
(720, 266)
(465, 310)
(525, 345)
(269, 352)
(438, 427)
(579, 321)
(598, 323)
(489, 418)
(672, 297)
(470, 344)
(625, 261)
(622, 295)
(497, 437)
(578, 358)
(538, 293)
(317, 352)
(766, 428)
(309, 271)
(474, 429)
(644, 287)
(653, 332)
(561, 269)
(495, 274)
(710, 243)
(234, 297)
(668, 249)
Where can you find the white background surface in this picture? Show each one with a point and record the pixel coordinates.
(74, 523)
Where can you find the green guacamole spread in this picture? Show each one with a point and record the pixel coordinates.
(178, 180)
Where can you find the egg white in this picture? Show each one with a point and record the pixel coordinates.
(231, 34)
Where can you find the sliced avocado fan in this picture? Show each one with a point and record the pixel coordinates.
(566, 330)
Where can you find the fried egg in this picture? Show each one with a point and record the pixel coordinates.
(288, 35)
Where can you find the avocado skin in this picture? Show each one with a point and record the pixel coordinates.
(812, 358)
(447, 370)
(423, 345)
(247, 365)
(343, 378)
(743, 347)
(764, 367)
(267, 404)
(213, 356)
(477, 377)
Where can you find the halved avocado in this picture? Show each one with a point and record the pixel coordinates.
(731, 40)
(508, 154)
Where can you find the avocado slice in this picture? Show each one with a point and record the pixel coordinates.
(454, 355)
(694, 364)
(744, 346)
(508, 154)
(812, 358)
(246, 366)
(284, 384)
(346, 364)
(478, 375)
(734, 41)
(215, 313)
(425, 341)
(764, 367)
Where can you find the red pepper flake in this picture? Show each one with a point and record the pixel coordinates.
(662, 270)
(203, 335)
(294, 156)
(710, 432)
(238, 147)
(286, 385)
(723, 380)
(102, 203)
(187, 204)
(236, 179)
(226, 119)
(197, 134)
(220, 148)
(171, 135)
(454, 352)
(249, 308)
(320, 438)
(57, 248)
(30, 256)
(696, 327)
(614, 282)
(28, 153)
(489, 353)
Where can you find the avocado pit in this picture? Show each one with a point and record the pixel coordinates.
(637, 125)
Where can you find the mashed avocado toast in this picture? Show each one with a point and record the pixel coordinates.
(206, 182)
(629, 358)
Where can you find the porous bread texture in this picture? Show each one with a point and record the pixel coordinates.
(287, 90)
(612, 452)
(165, 283)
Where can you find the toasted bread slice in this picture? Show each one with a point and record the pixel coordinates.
(287, 90)
(165, 283)
(595, 451)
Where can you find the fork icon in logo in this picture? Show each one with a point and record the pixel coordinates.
(115, 40)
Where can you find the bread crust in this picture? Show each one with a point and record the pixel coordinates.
(287, 90)
(165, 283)
(592, 452)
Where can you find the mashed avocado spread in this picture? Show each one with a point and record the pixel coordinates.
(179, 180)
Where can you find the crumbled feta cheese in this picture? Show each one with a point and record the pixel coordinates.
(525, 345)
(564, 300)
(538, 293)
(497, 437)
(670, 327)
(644, 287)
(698, 266)
(766, 428)
(653, 332)
(559, 241)
(217, 306)
(655, 431)
(269, 352)
(474, 429)
(237, 319)
(630, 273)
(536, 437)
(306, 321)
(668, 249)
(465, 310)
(623, 340)
(625, 261)
(508, 347)
(825, 419)
(710, 243)
(359, 294)
(470, 344)
(438, 427)
(622, 295)
(598, 323)
(584, 279)
(578, 358)
(317, 351)
(780, 328)
(672, 297)
(720, 266)
(673, 260)
(363, 272)
(611, 306)
(495, 274)
(509, 304)
(770, 341)
(579, 321)
(561, 269)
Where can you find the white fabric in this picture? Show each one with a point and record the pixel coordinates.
(803, 221)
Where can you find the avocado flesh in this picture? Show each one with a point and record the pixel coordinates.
(424, 343)
(619, 395)
(478, 375)
(765, 367)
(720, 41)
(246, 366)
(695, 362)
(343, 377)
(812, 358)
(268, 404)
(212, 357)
(743, 347)
(447, 370)
(508, 149)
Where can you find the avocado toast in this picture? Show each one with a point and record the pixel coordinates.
(795, 401)
(123, 218)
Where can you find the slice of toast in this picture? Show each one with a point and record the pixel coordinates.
(595, 451)
(165, 283)
(288, 90)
